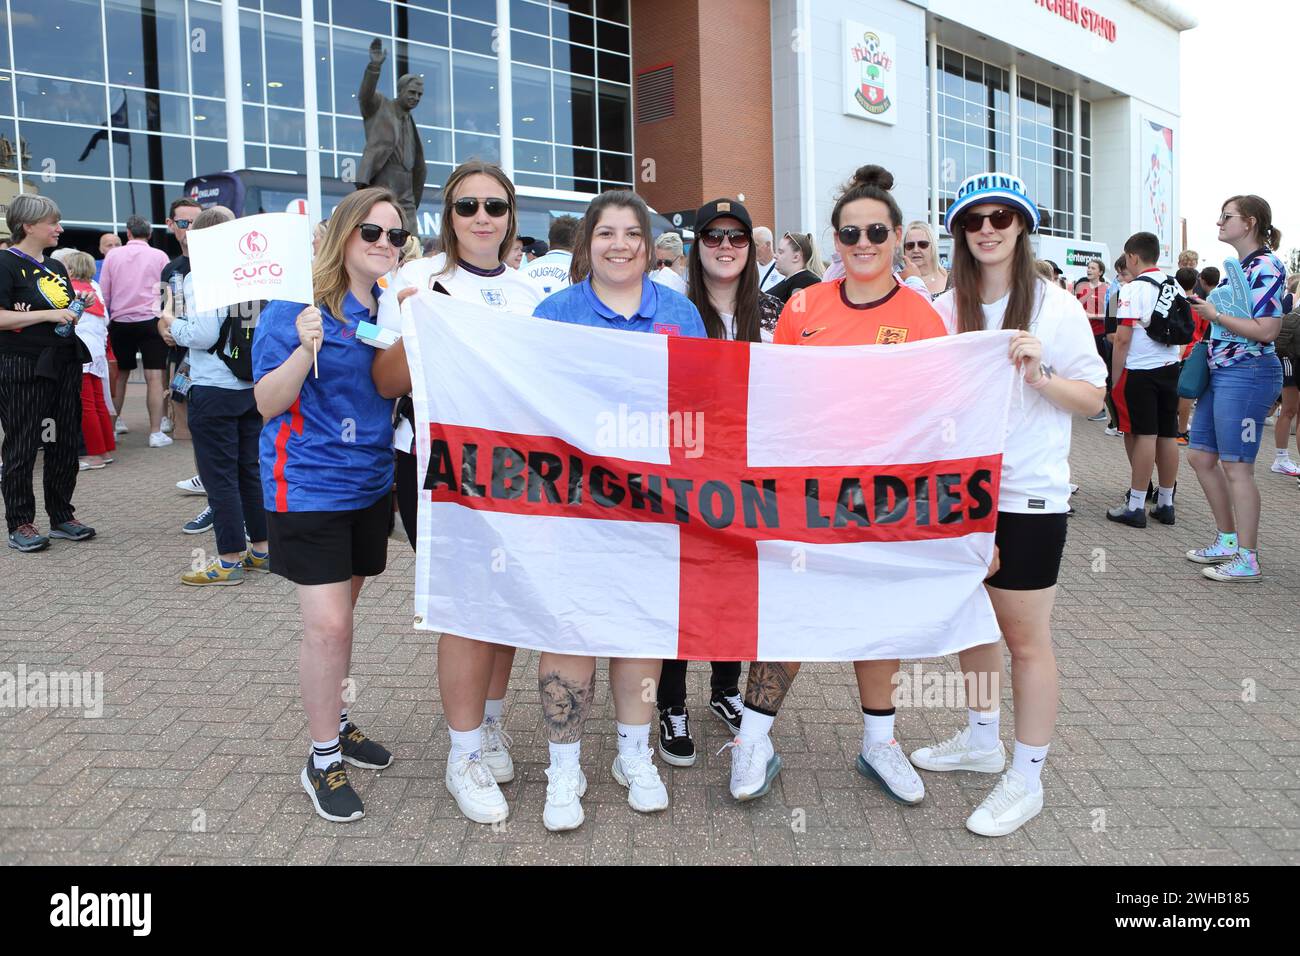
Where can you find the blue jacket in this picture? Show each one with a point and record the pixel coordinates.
(661, 310)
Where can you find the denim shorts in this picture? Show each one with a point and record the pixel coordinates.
(1229, 419)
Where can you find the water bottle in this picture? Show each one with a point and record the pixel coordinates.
(76, 307)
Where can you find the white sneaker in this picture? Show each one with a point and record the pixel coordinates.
(192, 486)
(563, 809)
(1285, 466)
(1007, 808)
(496, 751)
(159, 440)
(1112, 431)
(166, 426)
(476, 793)
(754, 765)
(886, 764)
(645, 791)
(955, 754)
(120, 428)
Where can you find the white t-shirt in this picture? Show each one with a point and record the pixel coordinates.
(1035, 461)
(768, 276)
(551, 271)
(729, 326)
(504, 288)
(669, 278)
(1137, 300)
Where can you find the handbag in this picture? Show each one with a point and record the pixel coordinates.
(1195, 376)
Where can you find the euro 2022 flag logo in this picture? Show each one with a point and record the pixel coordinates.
(252, 244)
(874, 63)
(257, 270)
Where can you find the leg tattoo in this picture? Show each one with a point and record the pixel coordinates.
(565, 705)
(769, 682)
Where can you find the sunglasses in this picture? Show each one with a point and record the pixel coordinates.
(917, 244)
(1000, 218)
(664, 263)
(371, 233)
(182, 223)
(466, 206)
(877, 233)
(713, 237)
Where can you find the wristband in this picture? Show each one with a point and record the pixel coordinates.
(1045, 373)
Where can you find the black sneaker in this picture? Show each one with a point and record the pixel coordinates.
(675, 743)
(729, 706)
(331, 793)
(1163, 514)
(360, 751)
(1135, 518)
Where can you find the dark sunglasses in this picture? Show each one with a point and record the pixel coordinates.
(1001, 219)
(917, 244)
(877, 233)
(371, 233)
(468, 205)
(713, 237)
(664, 263)
(182, 223)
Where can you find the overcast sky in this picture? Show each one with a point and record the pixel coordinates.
(1240, 125)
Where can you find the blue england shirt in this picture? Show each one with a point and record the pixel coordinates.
(331, 450)
(661, 310)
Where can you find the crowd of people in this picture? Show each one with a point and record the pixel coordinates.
(263, 388)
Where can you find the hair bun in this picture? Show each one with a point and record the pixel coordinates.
(873, 175)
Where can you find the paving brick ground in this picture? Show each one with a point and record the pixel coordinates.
(1157, 759)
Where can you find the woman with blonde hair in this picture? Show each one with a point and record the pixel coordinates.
(96, 419)
(921, 251)
(796, 259)
(327, 487)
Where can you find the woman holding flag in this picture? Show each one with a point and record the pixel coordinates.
(995, 286)
(327, 474)
(478, 228)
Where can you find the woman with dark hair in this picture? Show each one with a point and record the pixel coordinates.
(327, 488)
(995, 286)
(1091, 292)
(611, 290)
(1245, 378)
(868, 306)
(479, 219)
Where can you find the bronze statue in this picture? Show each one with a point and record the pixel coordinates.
(394, 155)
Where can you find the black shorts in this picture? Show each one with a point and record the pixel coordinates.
(326, 547)
(1147, 401)
(128, 338)
(1030, 549)
(1288, 372)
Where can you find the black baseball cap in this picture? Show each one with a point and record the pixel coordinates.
(537, 248)
(526, 240)
(719, 208)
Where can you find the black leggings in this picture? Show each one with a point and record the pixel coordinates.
(408, 494)
(672, 681)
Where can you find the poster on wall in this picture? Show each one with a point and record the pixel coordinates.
(1157, 204)
(870, 74)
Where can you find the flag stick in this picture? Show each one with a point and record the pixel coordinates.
(315, 369)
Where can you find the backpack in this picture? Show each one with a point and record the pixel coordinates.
(1171, 319)
(234, 344)
(1287, 342)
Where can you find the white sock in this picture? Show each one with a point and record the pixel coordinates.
(755, 724)
(492, 710)
(1028, 762)
(1136, 499)
(465, 742)
(876, 729)
(1164, 496)
(565, 755)
(343, 720)
(325, 752)
(984, 729)
(1283, 453)
(633, 739)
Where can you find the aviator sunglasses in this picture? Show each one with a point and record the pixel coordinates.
(877, 233)
(916, 244)
(713, 237)
(371, 233)
(1001, 219)
(466, 206)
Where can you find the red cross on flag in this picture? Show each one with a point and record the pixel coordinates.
(621, 494)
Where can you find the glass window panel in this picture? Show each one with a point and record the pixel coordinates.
(206, 66)
(422, 25)
(210, 118)
(575, 162)
(435, 106)
(572, 27)
(285, 128)
(615, 118)
(146, 44)
(63, 100)
(532, 157)
(472, 36)
(437, 145)
(209, 156)
(532, 103)
(437, 175)
(526, 15)
(485, 10)
(150, 200)
(254, 156)
(613, 38)
(476, 106)
(80, 200)
(543, 180)
(59, 149)
(615, 10)
(473, 146)
(614, 67)
(351, 135)
(526, 48)
(284, 63)
(154, 112)
(616, 167)
(575, 59)
(429, 4)
(292, 8)
(8, 145)
(372, 16)
(145, 156)
(287, 160)
(575, 111)
(62, 37)
(351, 54)
(254, 124)
(575, 6)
